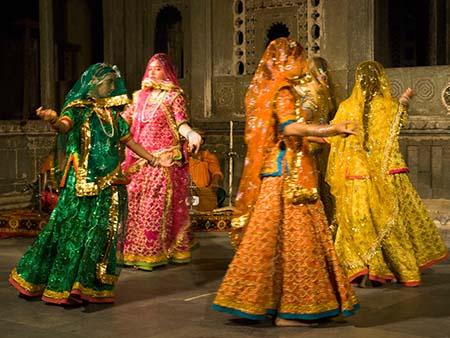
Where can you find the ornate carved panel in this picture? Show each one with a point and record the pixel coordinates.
(260, 15)
(429, 82)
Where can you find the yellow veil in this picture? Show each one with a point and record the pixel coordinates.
(365, 156)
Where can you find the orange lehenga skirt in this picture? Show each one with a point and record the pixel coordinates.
(286, 264)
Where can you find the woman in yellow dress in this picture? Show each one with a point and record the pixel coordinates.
(285, 264)
(384, 230)
(318, 106)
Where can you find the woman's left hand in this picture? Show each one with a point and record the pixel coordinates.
(406, 96)
(195, 140)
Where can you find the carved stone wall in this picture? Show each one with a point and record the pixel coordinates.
(22, 150)
(252, 19)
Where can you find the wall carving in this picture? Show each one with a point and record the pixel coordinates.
(239, 49)
(424, 89)
(429, 82)
(314, 26)
(260, 15)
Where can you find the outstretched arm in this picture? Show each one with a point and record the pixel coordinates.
(300, 129)
(50, 116)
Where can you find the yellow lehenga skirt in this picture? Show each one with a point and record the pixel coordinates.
(411, 244)
(286, 264)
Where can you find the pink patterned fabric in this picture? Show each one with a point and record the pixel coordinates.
(158, 217)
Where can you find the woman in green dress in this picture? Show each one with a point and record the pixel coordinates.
(75, 257)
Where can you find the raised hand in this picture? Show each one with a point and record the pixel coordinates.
(406, 96)
(47, 114)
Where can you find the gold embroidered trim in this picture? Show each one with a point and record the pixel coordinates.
(130, 258)
(32, 288)
(113, 224)
(84, 188)
(92, 293)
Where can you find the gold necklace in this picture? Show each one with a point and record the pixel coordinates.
(105, 112)
(160, 97)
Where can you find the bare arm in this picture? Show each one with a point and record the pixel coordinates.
(301, 129)
(50, 116)
(140, 150)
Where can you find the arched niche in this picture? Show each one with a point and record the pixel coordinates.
(277, 30)
(169, 37)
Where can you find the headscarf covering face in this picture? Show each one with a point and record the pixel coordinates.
(352, 157)
(91, 78)
(148, 85)
(170, 81)
(282, 60)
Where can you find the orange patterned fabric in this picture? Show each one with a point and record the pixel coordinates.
(285, 264)
(282, 60)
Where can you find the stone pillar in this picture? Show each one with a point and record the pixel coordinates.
(348, 39)
(47, 53)
(114, 32)
(201, 64)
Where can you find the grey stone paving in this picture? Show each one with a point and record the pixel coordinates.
(175, 301)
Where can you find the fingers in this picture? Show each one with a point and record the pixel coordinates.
(350, 131)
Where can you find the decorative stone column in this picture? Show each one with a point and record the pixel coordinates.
(47, 53)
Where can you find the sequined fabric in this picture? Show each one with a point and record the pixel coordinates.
(84, 231)
(286, 264)
(317, 106)
(158, 219)
(384, 230)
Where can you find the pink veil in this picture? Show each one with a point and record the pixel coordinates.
(170, 82)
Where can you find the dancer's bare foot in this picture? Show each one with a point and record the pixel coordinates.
(291, 323)
(365, 282)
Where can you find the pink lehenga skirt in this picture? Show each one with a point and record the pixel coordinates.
(158, 217)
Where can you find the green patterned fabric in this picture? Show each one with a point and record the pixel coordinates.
(90, 78)
(76, 255)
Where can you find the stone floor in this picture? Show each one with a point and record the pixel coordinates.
(175, 301)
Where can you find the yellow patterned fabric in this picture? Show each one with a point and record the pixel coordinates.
(383, 228)
(286, 264)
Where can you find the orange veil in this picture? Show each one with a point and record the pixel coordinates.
(282, 60)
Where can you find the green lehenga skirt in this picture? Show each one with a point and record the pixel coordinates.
(75, 257)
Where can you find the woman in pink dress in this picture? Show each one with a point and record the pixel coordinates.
(158, 217)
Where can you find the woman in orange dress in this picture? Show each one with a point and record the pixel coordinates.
(285, 264)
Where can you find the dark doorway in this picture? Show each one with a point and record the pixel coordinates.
(169, 36)
(412, 33)
(19, 59)
(277, 30)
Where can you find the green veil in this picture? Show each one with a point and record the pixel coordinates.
(81, 95)
(92, 77)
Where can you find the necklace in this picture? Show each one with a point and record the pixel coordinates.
(158, 100)
(107, 114)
